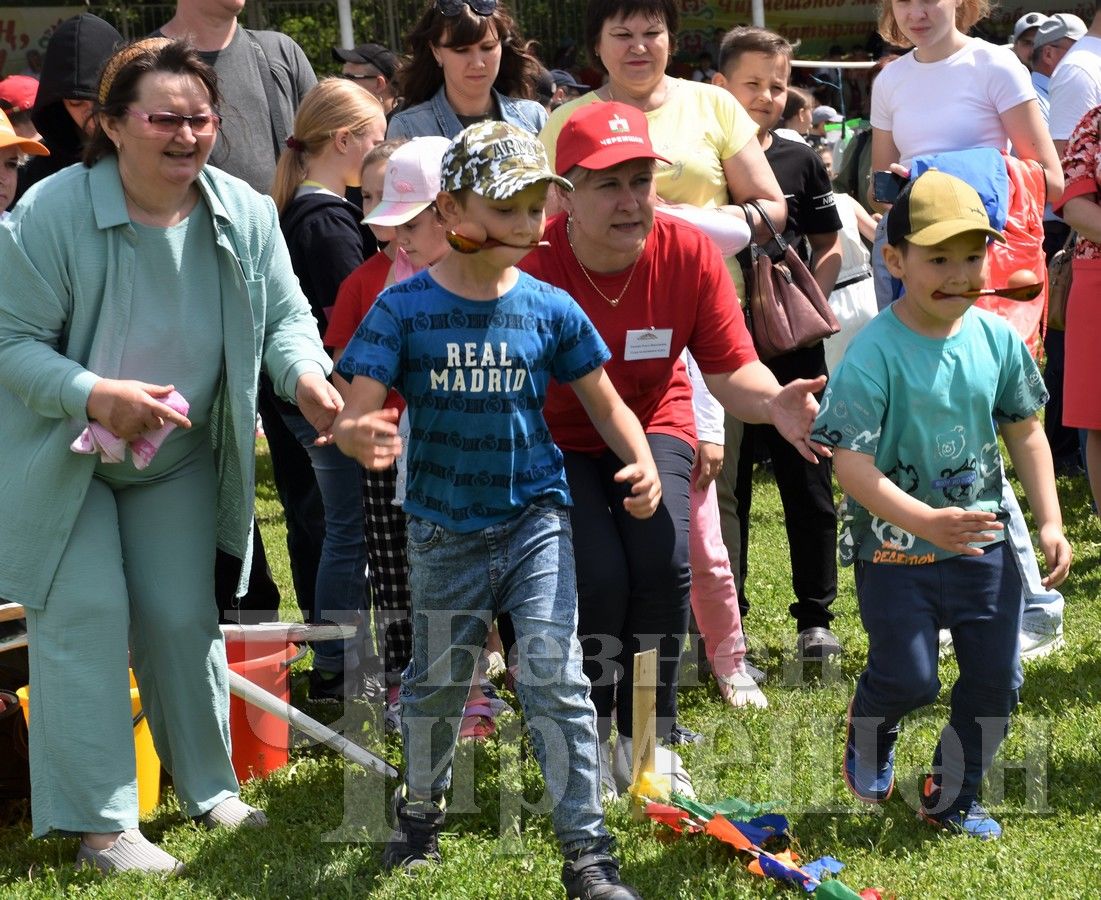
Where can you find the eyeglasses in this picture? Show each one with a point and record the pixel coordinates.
(170, 123)
(454, 7)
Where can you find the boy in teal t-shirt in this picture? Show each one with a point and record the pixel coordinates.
(914, 412)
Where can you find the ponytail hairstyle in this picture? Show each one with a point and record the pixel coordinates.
(967, 14)
(331, 106)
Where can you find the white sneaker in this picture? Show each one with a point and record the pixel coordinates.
(945, 638)
(740, 689)
(666, 762)
(1038, 644)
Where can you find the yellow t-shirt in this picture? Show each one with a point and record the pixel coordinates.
(697, 127)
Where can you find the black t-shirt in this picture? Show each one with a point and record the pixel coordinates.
(807, 189)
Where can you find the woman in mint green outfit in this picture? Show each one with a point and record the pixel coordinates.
(138, 272)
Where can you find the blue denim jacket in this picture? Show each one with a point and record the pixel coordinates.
(436, 117)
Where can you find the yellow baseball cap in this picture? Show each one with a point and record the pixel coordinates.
(934, 207)
(8, 138)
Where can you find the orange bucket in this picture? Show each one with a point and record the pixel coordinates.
(260, 741)
(148, 763)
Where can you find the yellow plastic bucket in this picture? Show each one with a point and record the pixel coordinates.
(149, 764)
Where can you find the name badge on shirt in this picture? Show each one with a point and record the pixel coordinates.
(648, 343)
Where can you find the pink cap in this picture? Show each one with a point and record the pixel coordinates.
(412, 181)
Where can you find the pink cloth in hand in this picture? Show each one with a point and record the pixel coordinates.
(112, 449)
(403, 266)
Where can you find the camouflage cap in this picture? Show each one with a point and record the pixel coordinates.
(496, 160)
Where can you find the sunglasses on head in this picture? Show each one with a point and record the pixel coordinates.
(454, 7)
(170, 123)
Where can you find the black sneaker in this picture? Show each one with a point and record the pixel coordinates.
(414, 842)
(336, 687)
(816, 644)
(593, 874)
(678, 734)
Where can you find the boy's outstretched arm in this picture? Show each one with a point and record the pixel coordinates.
(753, 395)
(364, 430)
(1031, 454)
(951, 528)
(621, 431)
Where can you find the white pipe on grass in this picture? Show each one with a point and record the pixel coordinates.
(241, 687)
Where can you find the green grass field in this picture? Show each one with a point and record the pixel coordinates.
(327, 818)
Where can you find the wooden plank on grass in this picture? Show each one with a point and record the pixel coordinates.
(644, 709)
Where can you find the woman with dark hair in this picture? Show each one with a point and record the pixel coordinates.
(709, 140)
(468, 63)
(143, 293)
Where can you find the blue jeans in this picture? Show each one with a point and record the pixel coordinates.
(523, 567)
(887, 287)
(341, 592)
(903, 608)
(1043, 607)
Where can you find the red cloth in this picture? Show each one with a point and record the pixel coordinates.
(1023, 249)
(357, 294)
(680, 283)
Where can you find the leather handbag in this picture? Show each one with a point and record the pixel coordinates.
(786, 310)
(1058, 283)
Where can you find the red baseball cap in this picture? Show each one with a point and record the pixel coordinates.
(17, 93)
(601, 135)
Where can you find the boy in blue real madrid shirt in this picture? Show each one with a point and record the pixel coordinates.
(913, 413)
(471, 343)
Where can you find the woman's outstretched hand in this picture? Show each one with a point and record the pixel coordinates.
(129, 409)
(792, 412)
(319, 402)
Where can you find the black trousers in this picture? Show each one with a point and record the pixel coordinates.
(806, 492)
(633, 579)
(305, 518)
(1064, 441)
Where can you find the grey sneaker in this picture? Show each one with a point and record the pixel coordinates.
(130, 853)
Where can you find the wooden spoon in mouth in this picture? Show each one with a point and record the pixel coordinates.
(1022, 293)
(460, 243)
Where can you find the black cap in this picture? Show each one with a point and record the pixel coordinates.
(382, 58)
(564, 79)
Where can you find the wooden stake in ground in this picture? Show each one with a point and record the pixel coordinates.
(644, 710)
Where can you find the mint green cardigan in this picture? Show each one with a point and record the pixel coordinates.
(66, 279)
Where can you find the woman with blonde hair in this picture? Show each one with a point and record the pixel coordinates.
(336, 126)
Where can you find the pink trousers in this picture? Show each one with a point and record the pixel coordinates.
(714, 594)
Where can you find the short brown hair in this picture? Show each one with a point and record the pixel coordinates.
(750, 39)
(598, 12)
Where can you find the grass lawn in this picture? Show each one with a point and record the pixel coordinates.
(326, 817)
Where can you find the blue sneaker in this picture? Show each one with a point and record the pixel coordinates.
(870, 780)
(970, 819)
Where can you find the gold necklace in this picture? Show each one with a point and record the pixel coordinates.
(612, 301)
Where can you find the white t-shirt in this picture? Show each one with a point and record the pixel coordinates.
(1075, 87)
(953, 104)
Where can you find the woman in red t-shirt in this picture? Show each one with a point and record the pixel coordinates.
(651, 288)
